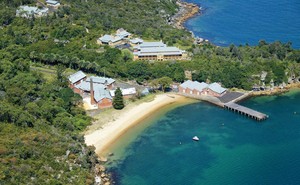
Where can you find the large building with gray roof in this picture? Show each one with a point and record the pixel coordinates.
(157, 51)
(197, 88)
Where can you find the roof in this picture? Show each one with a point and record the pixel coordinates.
(52, 2)
(128, 91)
(145, 91)
(29, 9)
(152, 44)
(200, 86)
(123, 34)
(187, 84)
(86, 86)
(101, 93)
(194, 85)
(216, 88)
(136, 40)
(110, 38)
(101, 80)
(158, 51)
(76, 77)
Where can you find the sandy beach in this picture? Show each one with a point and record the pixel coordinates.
(118, 122)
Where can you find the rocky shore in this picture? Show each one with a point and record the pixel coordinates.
(186, 11)
(275, 90)
(103, 177)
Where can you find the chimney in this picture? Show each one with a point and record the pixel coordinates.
(92, 92)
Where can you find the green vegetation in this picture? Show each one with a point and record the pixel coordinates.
(62, 38)
(40, 122)
(40, 127)
(241, 66)
(118, 102)
(163, 83)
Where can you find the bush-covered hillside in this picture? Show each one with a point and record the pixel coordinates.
(39, 127)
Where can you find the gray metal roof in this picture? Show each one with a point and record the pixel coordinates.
(200, 86)
(136, 40)
(52, 2)
(152, 44)
(101, 80)
(194, 85)
(86, 86)
(123, 34)
(159, 51)
(76, 77)
(110, 38)
(101, 93)
(127, 91)
(216, 88)
(187, 84)
(29, 9)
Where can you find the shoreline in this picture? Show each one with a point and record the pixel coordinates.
(275, 91)
(185, 12)
(107, 134)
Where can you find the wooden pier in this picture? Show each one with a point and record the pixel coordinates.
(245, 111)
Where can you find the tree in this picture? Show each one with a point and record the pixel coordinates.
(118, 102)
(165, 82)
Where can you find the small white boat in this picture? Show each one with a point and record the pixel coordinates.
(195, 138)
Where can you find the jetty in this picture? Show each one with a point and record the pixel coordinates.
(228, 101)
(245, 111)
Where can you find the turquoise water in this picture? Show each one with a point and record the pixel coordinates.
(232, 149)
(243, 21)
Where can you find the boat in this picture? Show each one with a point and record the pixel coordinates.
(195, 138)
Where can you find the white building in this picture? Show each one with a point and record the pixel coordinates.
(52, 3)
(29, 11)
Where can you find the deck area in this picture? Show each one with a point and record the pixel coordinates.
(231, 96)
(245, 111)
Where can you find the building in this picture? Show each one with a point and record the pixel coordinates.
(136, 41)
(29, 11)
(123, 33)
(150, 45)
(52, 3)
(127, 93)
(116, 39)
(85, 87)
(109, 83)
(97, 87)
(102, 98)
(157, 51)
(197, 88)
(214, 89)
(109, 40)
(76, 78)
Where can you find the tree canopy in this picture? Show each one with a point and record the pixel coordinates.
(118, 101)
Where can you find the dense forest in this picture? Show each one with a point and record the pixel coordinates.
(40, 122)
(40, 127)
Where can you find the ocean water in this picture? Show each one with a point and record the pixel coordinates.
(239, 22)
(233, 149)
